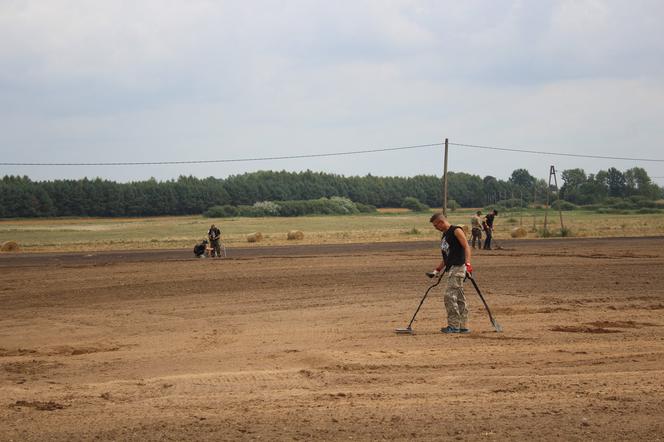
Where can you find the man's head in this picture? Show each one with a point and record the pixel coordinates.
(479, 212)
(495, 212)
(439, 221)
(212, 226)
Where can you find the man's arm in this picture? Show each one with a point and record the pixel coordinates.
(437, 270)
(461, 236)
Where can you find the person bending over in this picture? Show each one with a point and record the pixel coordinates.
(199, 249)
(488, 228)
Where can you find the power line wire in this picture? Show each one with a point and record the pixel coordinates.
(230, 160)
(562, 154)
(331, 154)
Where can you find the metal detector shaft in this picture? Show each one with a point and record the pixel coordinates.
(425, 297)
(479, 292)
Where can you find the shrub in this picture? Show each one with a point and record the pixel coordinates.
(488, 209)
(414, 204)
(267, 208)
(623, 205)
(612, 211)
(646, 210)
(322, 206)
(225, 211)
(641, 201)
(365, 208)
(343, 205)
(452, 204)
(566, 232)
(544, 233)
(512, 203)
(564, 205)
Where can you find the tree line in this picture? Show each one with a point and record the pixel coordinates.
(22, 197)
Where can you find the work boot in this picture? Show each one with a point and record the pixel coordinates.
(464, 330)
(449, 329)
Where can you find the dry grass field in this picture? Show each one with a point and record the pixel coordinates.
(97, 234)
(296, 343)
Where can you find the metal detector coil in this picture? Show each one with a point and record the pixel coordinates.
(408, 330)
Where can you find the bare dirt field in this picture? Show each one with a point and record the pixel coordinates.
(298, 343)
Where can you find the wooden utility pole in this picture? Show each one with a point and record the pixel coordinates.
(445, 181)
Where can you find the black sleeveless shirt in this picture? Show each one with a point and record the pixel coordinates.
(453, 253)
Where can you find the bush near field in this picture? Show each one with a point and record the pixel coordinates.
(321, 206)
(624, 206)
(412, 203)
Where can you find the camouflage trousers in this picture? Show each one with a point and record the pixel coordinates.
(455, 299)
(215, 245)
(477, 236)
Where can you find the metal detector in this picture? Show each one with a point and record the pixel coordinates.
(408, 330)
(498, 246)
(493, 321)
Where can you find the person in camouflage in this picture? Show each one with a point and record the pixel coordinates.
(456, 262)
(476, 225)
(214, 235)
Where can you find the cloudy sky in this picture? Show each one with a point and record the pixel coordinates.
(169, 80)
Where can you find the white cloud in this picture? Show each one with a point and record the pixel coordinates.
(141, 80)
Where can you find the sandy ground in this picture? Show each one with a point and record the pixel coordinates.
(297, 343)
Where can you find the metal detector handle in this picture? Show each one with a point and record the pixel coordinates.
(440, 277)
(486, 306)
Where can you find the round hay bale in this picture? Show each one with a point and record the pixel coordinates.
(254, 237)
(295, 234)
(518, 232)
(10, 246)
(465, 228)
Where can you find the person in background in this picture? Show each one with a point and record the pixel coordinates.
(214, 235)
(488, 228)
(199, 249)
(476, 232)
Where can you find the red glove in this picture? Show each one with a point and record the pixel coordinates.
(469, 268)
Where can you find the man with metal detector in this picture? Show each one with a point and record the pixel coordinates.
(456, 262)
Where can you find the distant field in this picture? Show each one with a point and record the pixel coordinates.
(81, 234)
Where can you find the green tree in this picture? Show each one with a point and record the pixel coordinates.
(573, 180)
(616, 182)
(522, 179)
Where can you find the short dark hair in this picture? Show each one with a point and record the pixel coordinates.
(436, 216)
(479, 212)
(495, 212)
